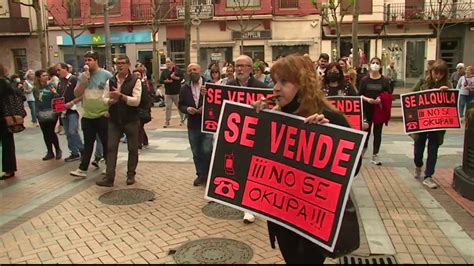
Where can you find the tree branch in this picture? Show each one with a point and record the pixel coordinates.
(23, 4)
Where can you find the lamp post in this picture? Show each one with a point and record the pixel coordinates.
(463, 177)
(196, 22)
(108, 50)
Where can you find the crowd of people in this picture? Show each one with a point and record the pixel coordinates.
(119, 104)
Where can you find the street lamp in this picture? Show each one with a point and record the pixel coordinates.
(108, 4)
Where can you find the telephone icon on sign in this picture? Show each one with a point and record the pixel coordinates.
(412, 125)
(210, 125)
(226, 187)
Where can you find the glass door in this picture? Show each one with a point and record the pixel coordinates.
(415, 61)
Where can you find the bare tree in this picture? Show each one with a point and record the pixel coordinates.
(160, 10)
(333, 13)
(35, 4)
(244, 21)
(441, 12)
(71, 24)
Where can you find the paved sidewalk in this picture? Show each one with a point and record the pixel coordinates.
(48, 216)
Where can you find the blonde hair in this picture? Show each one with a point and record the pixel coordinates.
(300, 71)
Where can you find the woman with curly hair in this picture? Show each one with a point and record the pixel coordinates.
(298, 91)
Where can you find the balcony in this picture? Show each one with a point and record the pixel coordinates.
(14, 26)
(462, 10)
(142, 10)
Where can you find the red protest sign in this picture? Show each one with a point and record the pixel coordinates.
(351, 106)
(215, 96)
(58, 104)
(294, 174)
(430, 110)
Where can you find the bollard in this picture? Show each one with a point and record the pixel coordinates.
(463, 177)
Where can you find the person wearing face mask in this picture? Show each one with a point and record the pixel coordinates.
(190, 103)
(371, 88)
(335, 83)
(298, 91)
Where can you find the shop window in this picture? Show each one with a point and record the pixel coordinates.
(20, 60)
(255, 52)
(287, 50)
(98, 9)
(237, 3)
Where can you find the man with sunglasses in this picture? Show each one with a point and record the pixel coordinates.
(70, 117)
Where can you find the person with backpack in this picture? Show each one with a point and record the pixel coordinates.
(9, 166)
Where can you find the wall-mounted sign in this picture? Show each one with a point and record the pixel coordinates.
(197, 11)
(263, 34)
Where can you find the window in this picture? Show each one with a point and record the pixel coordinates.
(289, 4)
(287, 50)
(365, 7)
(21, 63)
(242, 3)
(98, 9)
(73, 8)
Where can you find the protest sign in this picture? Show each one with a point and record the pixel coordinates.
(57, 104)
(430, 110)
(216, 94)
(351, 106)
(294, 174)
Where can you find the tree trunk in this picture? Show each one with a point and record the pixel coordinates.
(155, 61)
(355, 30)
(187, 33)
(438, 44)
(74, 52)
(40, 32)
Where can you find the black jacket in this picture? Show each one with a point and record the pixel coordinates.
(66, 89)
(186, 100)
(253, 83)
(174, 87)
(5, 90)
(120, 112)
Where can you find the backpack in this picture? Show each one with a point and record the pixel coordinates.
(13, 110)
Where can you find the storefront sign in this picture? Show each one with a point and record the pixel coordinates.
(264, 34)
(351, 106)
(197, 11)
(216, 94)
(294, 174)
(99, 38)
(430, 110)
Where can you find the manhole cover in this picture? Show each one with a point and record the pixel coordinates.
(219, 211)
(377, 260)
(127, 196)
(213, 251)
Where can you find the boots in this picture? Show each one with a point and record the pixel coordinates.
(105, 182)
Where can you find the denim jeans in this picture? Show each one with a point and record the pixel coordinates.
(99, 149)
(201, 146)
(71, 127)
(91, 127)
(32, 106)
(114, 134)
(433, 146)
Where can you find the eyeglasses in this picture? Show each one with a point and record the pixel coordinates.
(242, 66)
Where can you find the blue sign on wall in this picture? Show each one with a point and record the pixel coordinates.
(119, 38)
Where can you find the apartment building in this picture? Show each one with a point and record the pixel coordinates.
(403, 31)
(19, 45)
(272, 28)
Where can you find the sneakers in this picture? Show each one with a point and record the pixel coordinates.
(249, 218)
(199, 182)
(375, 160)
(72, 158)
(130, 180)
(429, 182)
(48, 156)
(167, 124)
(417, 172)
(105, 182)
(79, 173)
(96, 162)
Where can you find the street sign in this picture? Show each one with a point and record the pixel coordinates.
(197, 11)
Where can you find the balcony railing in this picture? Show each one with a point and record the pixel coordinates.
(143, 10)
(451, 11)
(288, 3)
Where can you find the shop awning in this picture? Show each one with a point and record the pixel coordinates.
(215, 44)
(290, 42)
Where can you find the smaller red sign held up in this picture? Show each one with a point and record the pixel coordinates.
(58, 104)
(430, 110)
(351, 106)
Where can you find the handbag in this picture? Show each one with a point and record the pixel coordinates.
(13, 112)
(349, 237)
(47, 116)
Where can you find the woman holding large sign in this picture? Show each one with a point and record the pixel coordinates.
(298, 91)
(438, 78)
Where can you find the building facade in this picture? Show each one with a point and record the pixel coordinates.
(19, 44)
(405, 32)
(269, 28)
